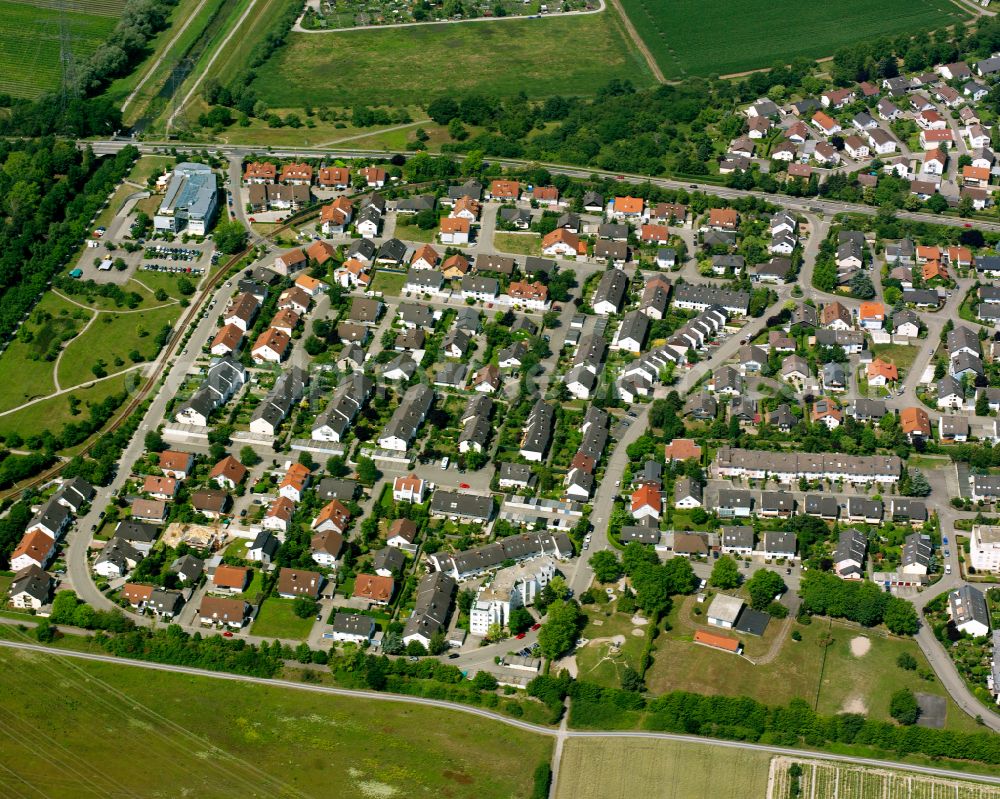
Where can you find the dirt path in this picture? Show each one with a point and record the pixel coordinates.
(634, 35)
(85, 384)
(379, 132)
(116, 310)
(776, 644)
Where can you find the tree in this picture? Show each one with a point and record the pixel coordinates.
(484, 681)
(562, 624)
(763, 587)
(438, 644)
(367, 471)
(653, 587)
(607, 568)
(900, 616)
(725, 573)
(861, 286)
(903, 707)
(305, 607)
(494, 633)
(982, 404)
(680, 576)
(636, 554)
(154, 441)
(919, 487)
(519, 621)
(632, 681)
(185, 287)
(249, 456)
(230, 237)
(906, 661)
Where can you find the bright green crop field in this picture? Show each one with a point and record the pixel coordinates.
(32, 35)
(720, 37)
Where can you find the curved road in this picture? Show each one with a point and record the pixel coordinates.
(488, 714)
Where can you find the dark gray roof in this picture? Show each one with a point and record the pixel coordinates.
(740, 536)
(353, 624)
(454, 503)
(34, 581)
(432, 606)
(389, 559)
(538, 428)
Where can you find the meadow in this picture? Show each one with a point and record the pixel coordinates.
(30, 37)
(80, 728)
(688, 37)
(409, 66)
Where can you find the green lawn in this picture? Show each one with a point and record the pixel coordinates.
(408, 66)
(518, 243)
(30, 34)
(277, 620)
(390, 283)
(124, 731)
(687, 37)
(416, 233)
(110, 339)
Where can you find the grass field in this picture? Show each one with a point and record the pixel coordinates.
(110, 339)
(518, 243)
(30, 40)
(26, 359)
(52, 414)
(390, 283)
(408, 66)
(277, 620)
(688, 38)
(595, 769)
(835, 683)
(92, 729)
(851, 782)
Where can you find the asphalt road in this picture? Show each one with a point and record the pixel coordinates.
(487, 714)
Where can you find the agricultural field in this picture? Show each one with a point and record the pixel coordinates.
(178, 735)
(31, 35)
(599, 768)
(686, 38)
(401, 66)
(820, 778)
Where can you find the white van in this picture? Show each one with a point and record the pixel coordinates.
(444, 463)
(947, 568)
